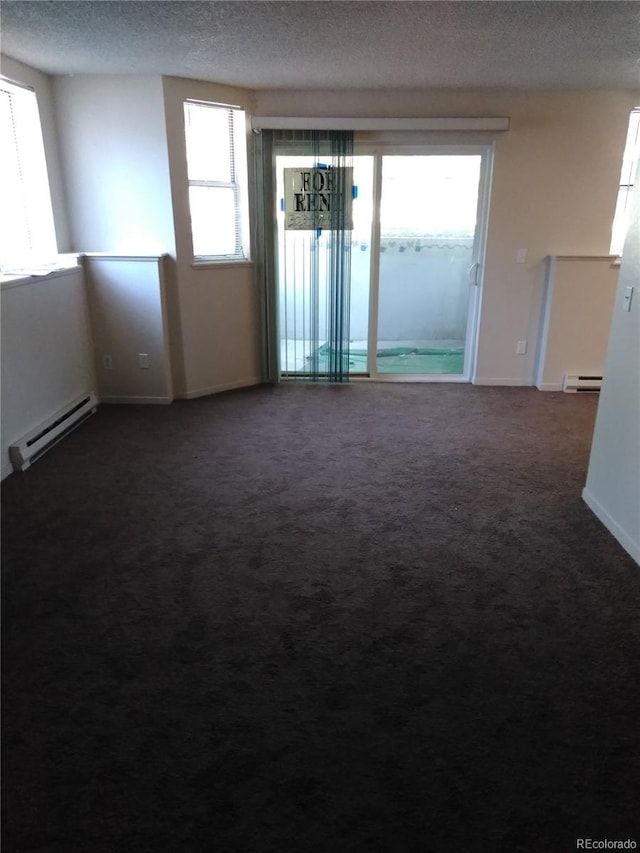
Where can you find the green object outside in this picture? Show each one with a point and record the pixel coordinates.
(410, 360)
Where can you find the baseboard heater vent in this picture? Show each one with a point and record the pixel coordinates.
(32, 445)
(581, 382)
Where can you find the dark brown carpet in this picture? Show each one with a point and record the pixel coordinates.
(371, 618)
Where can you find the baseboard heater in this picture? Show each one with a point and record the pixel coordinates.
(581, 382)
(32, 445)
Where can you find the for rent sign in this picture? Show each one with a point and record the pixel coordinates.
(312, 198)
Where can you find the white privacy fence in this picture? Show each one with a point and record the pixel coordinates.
(424, 287)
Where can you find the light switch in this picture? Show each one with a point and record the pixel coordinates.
(521, 256)
(628, 296)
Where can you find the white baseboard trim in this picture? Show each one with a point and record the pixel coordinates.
(550, 386)
(492, 380)
(217, 389)
(138, 401)
(632, 547)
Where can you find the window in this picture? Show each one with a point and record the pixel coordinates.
(27, 233)
(627, 176)
(217, 170)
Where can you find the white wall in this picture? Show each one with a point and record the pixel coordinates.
(114, 157)
(218, 305)
(578, 303)
(554, 188)
(122, 150)
(113, 146)
(42, 85)
(124, 160)
(46, 351)
(128, 311)
(613, 480)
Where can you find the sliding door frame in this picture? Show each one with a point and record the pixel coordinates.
(377, 145)
(378, 151)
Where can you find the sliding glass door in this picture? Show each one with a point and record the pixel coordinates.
(428, 254)
(416, 244)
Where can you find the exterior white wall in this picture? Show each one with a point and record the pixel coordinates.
(554, 188)
(42, 85)
(46, 351)
(218, 306)
(613, 480)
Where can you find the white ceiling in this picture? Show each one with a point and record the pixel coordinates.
(303, 44)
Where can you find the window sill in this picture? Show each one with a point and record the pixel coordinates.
(216, 265)
(14, 277)
(8, 281)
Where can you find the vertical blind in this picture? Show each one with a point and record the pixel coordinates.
(339, 301)
(306, 276)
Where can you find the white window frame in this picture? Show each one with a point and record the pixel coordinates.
(237, 163)
(27, 227)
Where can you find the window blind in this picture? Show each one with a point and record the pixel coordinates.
(216, 163)
(27, 232)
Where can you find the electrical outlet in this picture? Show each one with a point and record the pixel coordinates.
(143, 360)
(521, 347)
(521, 256)
(107, 361)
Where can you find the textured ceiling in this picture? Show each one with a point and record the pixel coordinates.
(358, 44)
